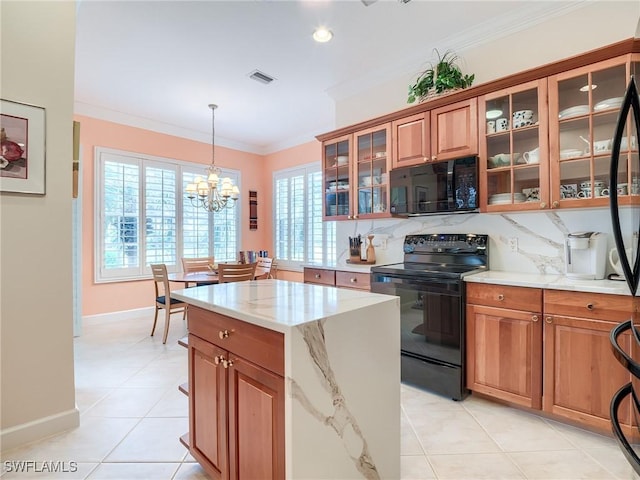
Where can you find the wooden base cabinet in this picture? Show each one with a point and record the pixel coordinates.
(549, 350)
(581, 374)
(236, 407)
(504, 343)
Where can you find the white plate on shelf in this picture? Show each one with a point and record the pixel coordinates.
(615, 102)
(574, 111)
(570, 153)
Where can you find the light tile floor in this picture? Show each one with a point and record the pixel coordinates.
(132, 415)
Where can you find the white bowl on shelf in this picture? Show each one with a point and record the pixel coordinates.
(570, 153)
(342, 160)
(615, 102)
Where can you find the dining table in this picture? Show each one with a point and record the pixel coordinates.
(206, 278)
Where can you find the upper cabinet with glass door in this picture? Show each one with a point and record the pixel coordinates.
(514, 167)
(337, 177)
(584, 107)
(371, 172)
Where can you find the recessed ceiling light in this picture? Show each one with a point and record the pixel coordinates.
(586, 88)
(491, 114)
(322, 35)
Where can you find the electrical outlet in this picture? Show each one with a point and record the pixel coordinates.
(513, 244)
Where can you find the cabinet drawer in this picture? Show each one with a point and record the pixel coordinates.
(259, 345)
(598, 306)
(320, 276)
(502, 296)
(361, 281)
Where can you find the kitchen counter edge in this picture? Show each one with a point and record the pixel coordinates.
(279, 305)
(549, 281)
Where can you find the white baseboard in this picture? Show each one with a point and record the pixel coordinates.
(37, 429)
(121, 315)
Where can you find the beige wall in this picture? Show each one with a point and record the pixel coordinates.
(593, 26)
(38, 396)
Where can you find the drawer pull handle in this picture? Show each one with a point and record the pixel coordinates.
(223, 334)
(548, 319)
(227, 363)
(317, 275)
(501, 297)
(534, 318)
(590, 306)
(353, 280)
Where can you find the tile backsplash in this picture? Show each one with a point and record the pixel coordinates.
(539, 235)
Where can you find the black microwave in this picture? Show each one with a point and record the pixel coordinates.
(450, 186)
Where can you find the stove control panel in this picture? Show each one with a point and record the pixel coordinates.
(452, 243)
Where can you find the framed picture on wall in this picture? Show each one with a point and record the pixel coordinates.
(22, 137)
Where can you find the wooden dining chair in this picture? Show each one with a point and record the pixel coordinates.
(236, 272)
(263, 268)
(200, 264)
(193, 265)
(161, 285)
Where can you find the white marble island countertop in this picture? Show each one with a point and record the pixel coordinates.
(279, 304)
(549, 281)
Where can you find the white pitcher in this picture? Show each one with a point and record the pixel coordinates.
(614, 260)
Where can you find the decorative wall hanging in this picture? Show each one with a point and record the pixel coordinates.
(22, 137)
(253, 210)
(76, 158)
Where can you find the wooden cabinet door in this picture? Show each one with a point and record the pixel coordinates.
(504, 354)
(581, 374)
(454, 130)
(208, 407)
(256, 422)
(411, 140)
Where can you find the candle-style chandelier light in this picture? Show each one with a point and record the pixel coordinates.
(204, 192)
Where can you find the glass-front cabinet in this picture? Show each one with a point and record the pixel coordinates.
(356, 174)
(372, 164)
(337, 177)
(584, 105)
(514, 167)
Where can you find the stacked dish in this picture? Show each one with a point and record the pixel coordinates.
(573, 111)
(615, 102)
(502, 198)
(570, 153)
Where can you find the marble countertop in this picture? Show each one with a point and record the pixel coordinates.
(556, 282)
(278, 304)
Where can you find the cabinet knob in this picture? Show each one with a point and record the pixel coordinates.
(543, 205)
(434, 158)
(425, 159)
(501, 297)
(227, 363)
(548, 319)
(349, 217)
(555, 204)
(534, 318)
(355, 217)
(590, 306)
(353, 280)
(223, 334)
(218, 359)
(317, 275)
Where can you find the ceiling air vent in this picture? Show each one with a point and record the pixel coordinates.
(258, 76)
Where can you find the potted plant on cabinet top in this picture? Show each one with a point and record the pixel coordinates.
(442, 76)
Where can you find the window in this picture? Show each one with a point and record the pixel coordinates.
(300, 235)
(143, 216)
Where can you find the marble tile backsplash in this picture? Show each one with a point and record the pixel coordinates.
(540, 235)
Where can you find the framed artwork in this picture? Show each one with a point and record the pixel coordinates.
(22, 137)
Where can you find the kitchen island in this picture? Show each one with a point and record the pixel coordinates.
(291, 380)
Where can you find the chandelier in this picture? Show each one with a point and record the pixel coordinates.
(204, 192)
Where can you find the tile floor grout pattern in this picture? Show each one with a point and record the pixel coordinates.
(132, 414)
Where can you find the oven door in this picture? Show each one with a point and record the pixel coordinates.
(431, 315)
